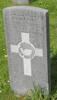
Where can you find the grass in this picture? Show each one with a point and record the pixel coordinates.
(5, 91)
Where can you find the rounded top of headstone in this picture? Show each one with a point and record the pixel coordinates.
(26, 8)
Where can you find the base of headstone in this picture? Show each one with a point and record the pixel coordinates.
(19, 96)
(21, 1)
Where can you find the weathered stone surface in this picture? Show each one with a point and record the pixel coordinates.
(21, 1)
(31, 26)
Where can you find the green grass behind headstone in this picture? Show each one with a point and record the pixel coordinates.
(5, 91)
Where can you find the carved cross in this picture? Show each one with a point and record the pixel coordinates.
(27, 52)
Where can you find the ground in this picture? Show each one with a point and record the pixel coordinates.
(5, 91)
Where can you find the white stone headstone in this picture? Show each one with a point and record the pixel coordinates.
(27, 39)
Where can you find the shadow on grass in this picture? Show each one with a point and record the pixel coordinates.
(54, 74)
(32, 1)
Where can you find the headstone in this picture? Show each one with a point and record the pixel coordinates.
(27, 39)
(21, 1)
